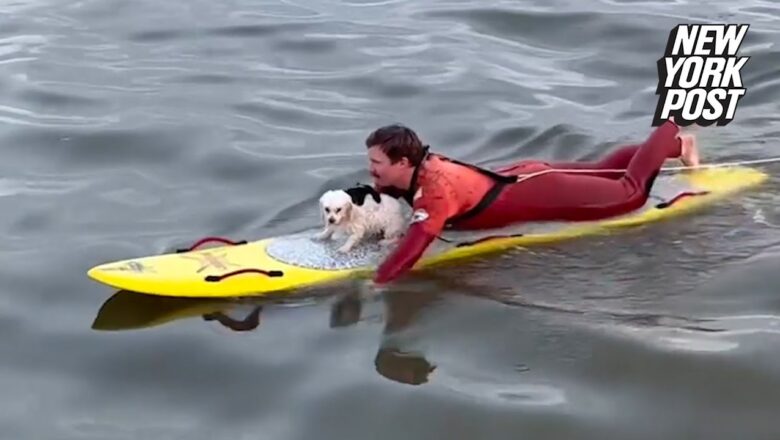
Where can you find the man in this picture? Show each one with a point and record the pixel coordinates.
(449, 194)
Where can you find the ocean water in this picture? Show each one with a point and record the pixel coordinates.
(132, 128)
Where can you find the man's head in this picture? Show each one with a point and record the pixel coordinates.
(393, 152)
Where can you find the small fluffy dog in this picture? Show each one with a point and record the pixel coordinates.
(360, 212)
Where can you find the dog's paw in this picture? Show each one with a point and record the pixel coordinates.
(320, 236)
(344, 249)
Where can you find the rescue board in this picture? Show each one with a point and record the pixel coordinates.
(282, 264)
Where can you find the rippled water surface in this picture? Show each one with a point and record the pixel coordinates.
(132, 128)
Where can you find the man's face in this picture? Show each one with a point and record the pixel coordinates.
(385, 173)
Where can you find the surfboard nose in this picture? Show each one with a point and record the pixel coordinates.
(100, 273)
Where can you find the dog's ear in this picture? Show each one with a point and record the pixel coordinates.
(321, 210)
(321, 203)
(348, 211)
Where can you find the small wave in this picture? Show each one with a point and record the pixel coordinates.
(502, 393)
(20, 116)
(716, 335)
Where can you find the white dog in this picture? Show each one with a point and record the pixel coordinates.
(360, 212)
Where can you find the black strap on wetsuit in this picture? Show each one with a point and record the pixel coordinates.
(500, 181)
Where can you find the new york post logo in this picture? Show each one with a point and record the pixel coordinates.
(699, 79)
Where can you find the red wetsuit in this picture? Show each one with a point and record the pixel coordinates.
(449, 194)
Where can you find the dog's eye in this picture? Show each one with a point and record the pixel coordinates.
(327, 209)
(338, 210)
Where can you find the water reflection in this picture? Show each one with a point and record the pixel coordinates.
(393, 360)
(127, 310)
(248, 323)
(403, 315)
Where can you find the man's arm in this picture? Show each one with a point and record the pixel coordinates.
(409, 250)
(435, 205)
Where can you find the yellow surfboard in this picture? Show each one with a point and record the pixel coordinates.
(282, 264)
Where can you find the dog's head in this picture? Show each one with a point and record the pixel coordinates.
(336, 207)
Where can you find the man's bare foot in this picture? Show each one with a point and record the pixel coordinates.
(689, 151)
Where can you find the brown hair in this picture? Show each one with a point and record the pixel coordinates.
(397, 142)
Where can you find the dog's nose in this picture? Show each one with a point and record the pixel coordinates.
(331, 220)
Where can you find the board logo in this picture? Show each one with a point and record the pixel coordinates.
(131, 266)
(208, 260)
(699, 77)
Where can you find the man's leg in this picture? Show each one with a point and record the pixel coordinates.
(617, 160)
(571, 196)
(664, 143)
(677, 146)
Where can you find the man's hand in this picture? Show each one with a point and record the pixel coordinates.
(403, 258)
